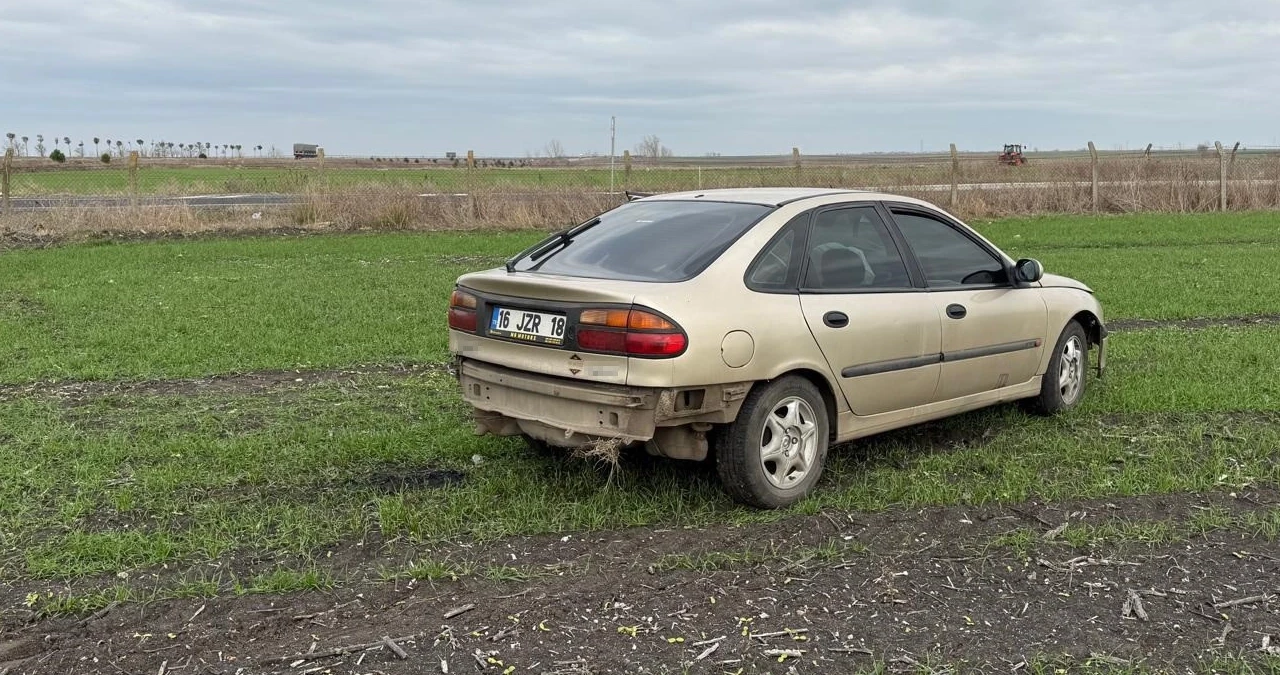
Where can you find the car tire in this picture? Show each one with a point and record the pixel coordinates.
(773, 454)
(1063, 385)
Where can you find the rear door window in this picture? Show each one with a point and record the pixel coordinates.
(662, 241)
(778, 265)
(851, 250)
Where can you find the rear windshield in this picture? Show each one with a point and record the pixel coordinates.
(651, 241)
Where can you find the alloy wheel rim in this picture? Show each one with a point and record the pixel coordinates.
(1071, 370)
(789, 443)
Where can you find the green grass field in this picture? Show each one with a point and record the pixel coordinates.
(102, 477)
(303, 176)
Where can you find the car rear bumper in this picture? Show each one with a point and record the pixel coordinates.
(588, 410)
(574, 413)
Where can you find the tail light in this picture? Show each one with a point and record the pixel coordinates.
(462, 311)
(630, 332)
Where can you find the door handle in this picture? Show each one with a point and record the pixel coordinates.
(956, 311)
(835, 319)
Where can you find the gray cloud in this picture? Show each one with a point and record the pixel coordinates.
(503, 77)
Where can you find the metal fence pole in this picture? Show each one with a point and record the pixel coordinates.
(955, 176)
(626, 169)
(1222, 177)
(1093, 163)
(1231, 166)
(699, 178)
(795, 161)
(5, 187)
(133, 178)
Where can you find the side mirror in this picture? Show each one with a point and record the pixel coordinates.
(1029, 270)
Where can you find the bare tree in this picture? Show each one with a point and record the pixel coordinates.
(651, 148)
(96, 140)
(554, 149)
(120, 148)
(24, 145)
(40, 144)
(80, 149)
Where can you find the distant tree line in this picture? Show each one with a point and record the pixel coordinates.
(21, 146)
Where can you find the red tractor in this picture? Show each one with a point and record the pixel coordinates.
(1012, 155)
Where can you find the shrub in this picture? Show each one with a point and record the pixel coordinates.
(106, 158)
(203, 156)
(57, 156)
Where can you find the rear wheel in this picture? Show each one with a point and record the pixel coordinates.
(1064, 381)
(773, 454)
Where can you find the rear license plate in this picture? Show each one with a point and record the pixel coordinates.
(536, 327)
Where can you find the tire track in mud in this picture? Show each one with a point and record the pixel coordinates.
(79, 392)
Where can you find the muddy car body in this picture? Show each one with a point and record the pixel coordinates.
(759, 326)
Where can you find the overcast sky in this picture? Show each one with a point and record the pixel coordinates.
(502, 77)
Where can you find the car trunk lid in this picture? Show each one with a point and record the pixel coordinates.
(529, 322)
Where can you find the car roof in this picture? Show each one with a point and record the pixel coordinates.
(771, 196)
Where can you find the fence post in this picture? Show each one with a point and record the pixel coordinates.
(955, 176)
(471, 159)
(1222, 177)
(1231, 164)
(5, 174)
(626, 168)
(1093, 164)
(133, 178)
(699, 178)
(795, 162)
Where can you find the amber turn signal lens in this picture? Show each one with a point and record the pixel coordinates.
(613, 318)
(646, 321)
(463, 300)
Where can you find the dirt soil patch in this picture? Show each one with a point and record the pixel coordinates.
(74, 394)
(1192, 324)
(832, 592)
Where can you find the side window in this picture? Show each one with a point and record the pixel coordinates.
(850, 249)
(777, 266)
(948, 257)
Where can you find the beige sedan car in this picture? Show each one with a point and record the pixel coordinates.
(761, 326)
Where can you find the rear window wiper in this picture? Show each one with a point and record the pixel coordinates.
(551, 244)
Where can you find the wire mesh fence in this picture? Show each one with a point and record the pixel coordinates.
(133, 192)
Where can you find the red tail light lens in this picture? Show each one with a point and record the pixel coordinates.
(656, 344)
(462, 311)
(602, 340)
(633, 332)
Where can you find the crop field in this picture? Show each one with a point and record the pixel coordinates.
(246, 455)
(159, 177)
(307, 176)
